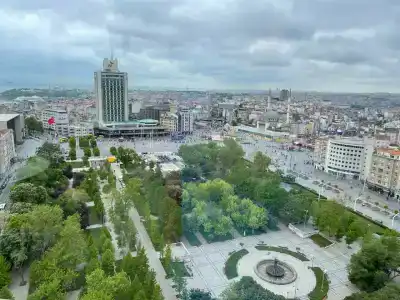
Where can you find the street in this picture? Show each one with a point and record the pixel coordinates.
(152, 255)
(26, 150)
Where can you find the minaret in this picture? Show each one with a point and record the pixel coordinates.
(269, 101)
(288, 108)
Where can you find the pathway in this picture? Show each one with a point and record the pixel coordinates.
(154, 261)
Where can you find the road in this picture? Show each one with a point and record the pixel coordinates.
(154, 261)
(297, 163)
(25, 150)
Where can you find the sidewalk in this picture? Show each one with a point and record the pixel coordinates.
(151, 253)
(339, 197)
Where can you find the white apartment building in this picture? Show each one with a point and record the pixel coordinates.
(111, 87)
(349, 157)
(385, 170)
(77, 130)
(185, 121)
(7, 149)
(60, 118)
(169, 121)
(319, 156)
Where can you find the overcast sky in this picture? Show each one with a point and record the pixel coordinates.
(325, 45)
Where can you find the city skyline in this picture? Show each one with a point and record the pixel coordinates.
(232, 45)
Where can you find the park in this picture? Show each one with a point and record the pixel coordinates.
(221, 226)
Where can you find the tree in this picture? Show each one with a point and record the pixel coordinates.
(87, 152)
(43, 223)
(107, 287)
(72, 154)
(33, 125)
(96, 151)
(113, 151)
(28, 192)
(21, 207)
(5, 279)
(108, 262)
(93, 143)
(388, 292)
(72, 142)
(74, 201)
(50, 290)
(50, 152)
(197, 294)
(246, 289)
(180, 285)
(85, 161)
(5, 293)
(377, 263)
(167, 259)
(261, 163)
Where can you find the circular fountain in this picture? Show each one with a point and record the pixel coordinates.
(275, 271)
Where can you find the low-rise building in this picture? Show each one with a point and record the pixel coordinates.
(7, 149)
(349, 157)
(60, 118)
(385, 170)
(74, 129)
(169, 121)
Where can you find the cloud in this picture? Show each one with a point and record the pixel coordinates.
(344, 45)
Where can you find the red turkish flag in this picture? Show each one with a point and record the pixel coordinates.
(51, 121)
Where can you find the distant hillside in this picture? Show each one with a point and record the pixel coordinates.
(44, 93)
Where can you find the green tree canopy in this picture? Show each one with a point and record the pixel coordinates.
(377, 263)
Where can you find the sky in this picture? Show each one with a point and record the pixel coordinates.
(321, 45)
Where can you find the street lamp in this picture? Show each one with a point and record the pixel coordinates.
(305, 218)
(355, 203)
(312, 261)
(393, 218)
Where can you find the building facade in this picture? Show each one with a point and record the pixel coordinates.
(385, 170)
(7, 149)
(111, 88)
(16, 123)
(349, 157)
(319, 156)
(61, 118)
(169, 121)
(76, 130)
(185, 121)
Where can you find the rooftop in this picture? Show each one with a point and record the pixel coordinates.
(389, 151)
(7, 117)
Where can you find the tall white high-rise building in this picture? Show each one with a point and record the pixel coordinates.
(111, 87)
(185, 121)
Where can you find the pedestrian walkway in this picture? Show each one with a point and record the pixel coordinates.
(145, 241)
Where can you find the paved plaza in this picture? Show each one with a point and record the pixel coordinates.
(207, 263)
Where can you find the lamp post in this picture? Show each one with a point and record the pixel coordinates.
(393, 219)
(305, 218)
(355, 203)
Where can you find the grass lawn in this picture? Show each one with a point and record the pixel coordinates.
(322, 287)
(93, 216)
(297, 255)
(76, 164)
(210, 238)
(320, 240)
(230, 268)
(179, 268)
(192, 238)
